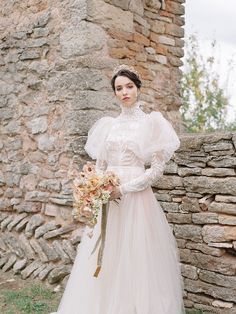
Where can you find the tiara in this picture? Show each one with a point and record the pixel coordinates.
(124, 67)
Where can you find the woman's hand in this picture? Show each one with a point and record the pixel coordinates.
(115, 193)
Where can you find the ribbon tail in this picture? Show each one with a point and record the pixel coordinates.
(105, 208)
(96, 245)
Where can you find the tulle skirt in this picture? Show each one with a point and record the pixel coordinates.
(140, 271)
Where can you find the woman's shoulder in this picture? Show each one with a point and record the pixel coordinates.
(155, 115)
(104, 121)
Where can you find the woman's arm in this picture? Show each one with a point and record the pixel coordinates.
(101, 165)
(148, 177)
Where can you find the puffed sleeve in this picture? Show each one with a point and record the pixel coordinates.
(161, 142)
(160, 137)
(96, 138)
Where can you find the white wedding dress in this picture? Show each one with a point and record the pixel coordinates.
(140, 271)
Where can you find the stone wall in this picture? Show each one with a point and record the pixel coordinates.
(55, 65)
(198, 195)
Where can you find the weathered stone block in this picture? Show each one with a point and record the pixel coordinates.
(189, 271)
(43, 19)
(168, 182)
(21, 225)
(166, 40)
(6, 222)
(30, 55)
(179, 218)
(222, 208)
(38, 125)
(11, 241)
(10, 262)
(37, 196)
(61, 253)
(48, 250)
(210, 185)
(34, 222)
(227, 219)
(28, 207)
(175, 8)
(193, 233)
(29, 269)
(224, 162)
(62, 200)
(205, 218)
(174, 30)
(58, 273)
(217, 172)
(189, 205)
(136, 6)
(225, 198)
(217, 279)
(69, 249)
(224, 264)
(44, 273)
(72, 47)
(110, 16)
(227, 294)
(218, 233)
(50, 185)
(38, 250)
(169, 207)
(26, 247)
(58, 232)
(40, 231)
(19, 265)
(46, 142)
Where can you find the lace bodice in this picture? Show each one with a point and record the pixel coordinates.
(133, 139)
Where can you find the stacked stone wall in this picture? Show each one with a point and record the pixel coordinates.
(198, 195)
(55, 64)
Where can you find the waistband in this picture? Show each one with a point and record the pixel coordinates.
(132, 167)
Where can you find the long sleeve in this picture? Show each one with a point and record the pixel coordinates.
(148, 177)
(101, 165)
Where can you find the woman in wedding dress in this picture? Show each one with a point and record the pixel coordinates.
(140, 272)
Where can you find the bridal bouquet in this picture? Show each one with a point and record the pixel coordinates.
(91, 190)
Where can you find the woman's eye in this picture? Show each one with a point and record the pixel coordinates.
(130, 86)
(118, 89)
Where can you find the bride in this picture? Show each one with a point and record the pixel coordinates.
(140, 272)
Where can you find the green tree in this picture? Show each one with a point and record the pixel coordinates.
(205, 102)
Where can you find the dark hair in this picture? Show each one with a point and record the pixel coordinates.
(131, 75)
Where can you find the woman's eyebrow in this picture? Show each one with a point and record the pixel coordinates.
(124, 84)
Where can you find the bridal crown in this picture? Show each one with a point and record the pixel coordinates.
(125, 67)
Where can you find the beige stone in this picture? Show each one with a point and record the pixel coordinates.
(220, 207)
(110, 16)
(227, 220)
(218, 233)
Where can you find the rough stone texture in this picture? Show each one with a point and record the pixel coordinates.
(202, 214)
(54, 84)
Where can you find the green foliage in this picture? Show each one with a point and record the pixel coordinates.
(205, 103)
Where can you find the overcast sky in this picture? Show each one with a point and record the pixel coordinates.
(215, 19)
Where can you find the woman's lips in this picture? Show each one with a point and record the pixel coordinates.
(125, 98)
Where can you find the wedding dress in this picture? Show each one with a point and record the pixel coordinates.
(140, 271)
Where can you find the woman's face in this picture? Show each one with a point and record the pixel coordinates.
(126, 91)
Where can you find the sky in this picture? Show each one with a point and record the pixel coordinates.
(216, 20)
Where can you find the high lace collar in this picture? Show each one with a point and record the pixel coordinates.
(132, 113)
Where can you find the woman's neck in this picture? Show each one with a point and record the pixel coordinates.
(133, 111)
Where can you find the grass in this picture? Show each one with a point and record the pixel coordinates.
(29, 296)
(35, 299)
(194, 312)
